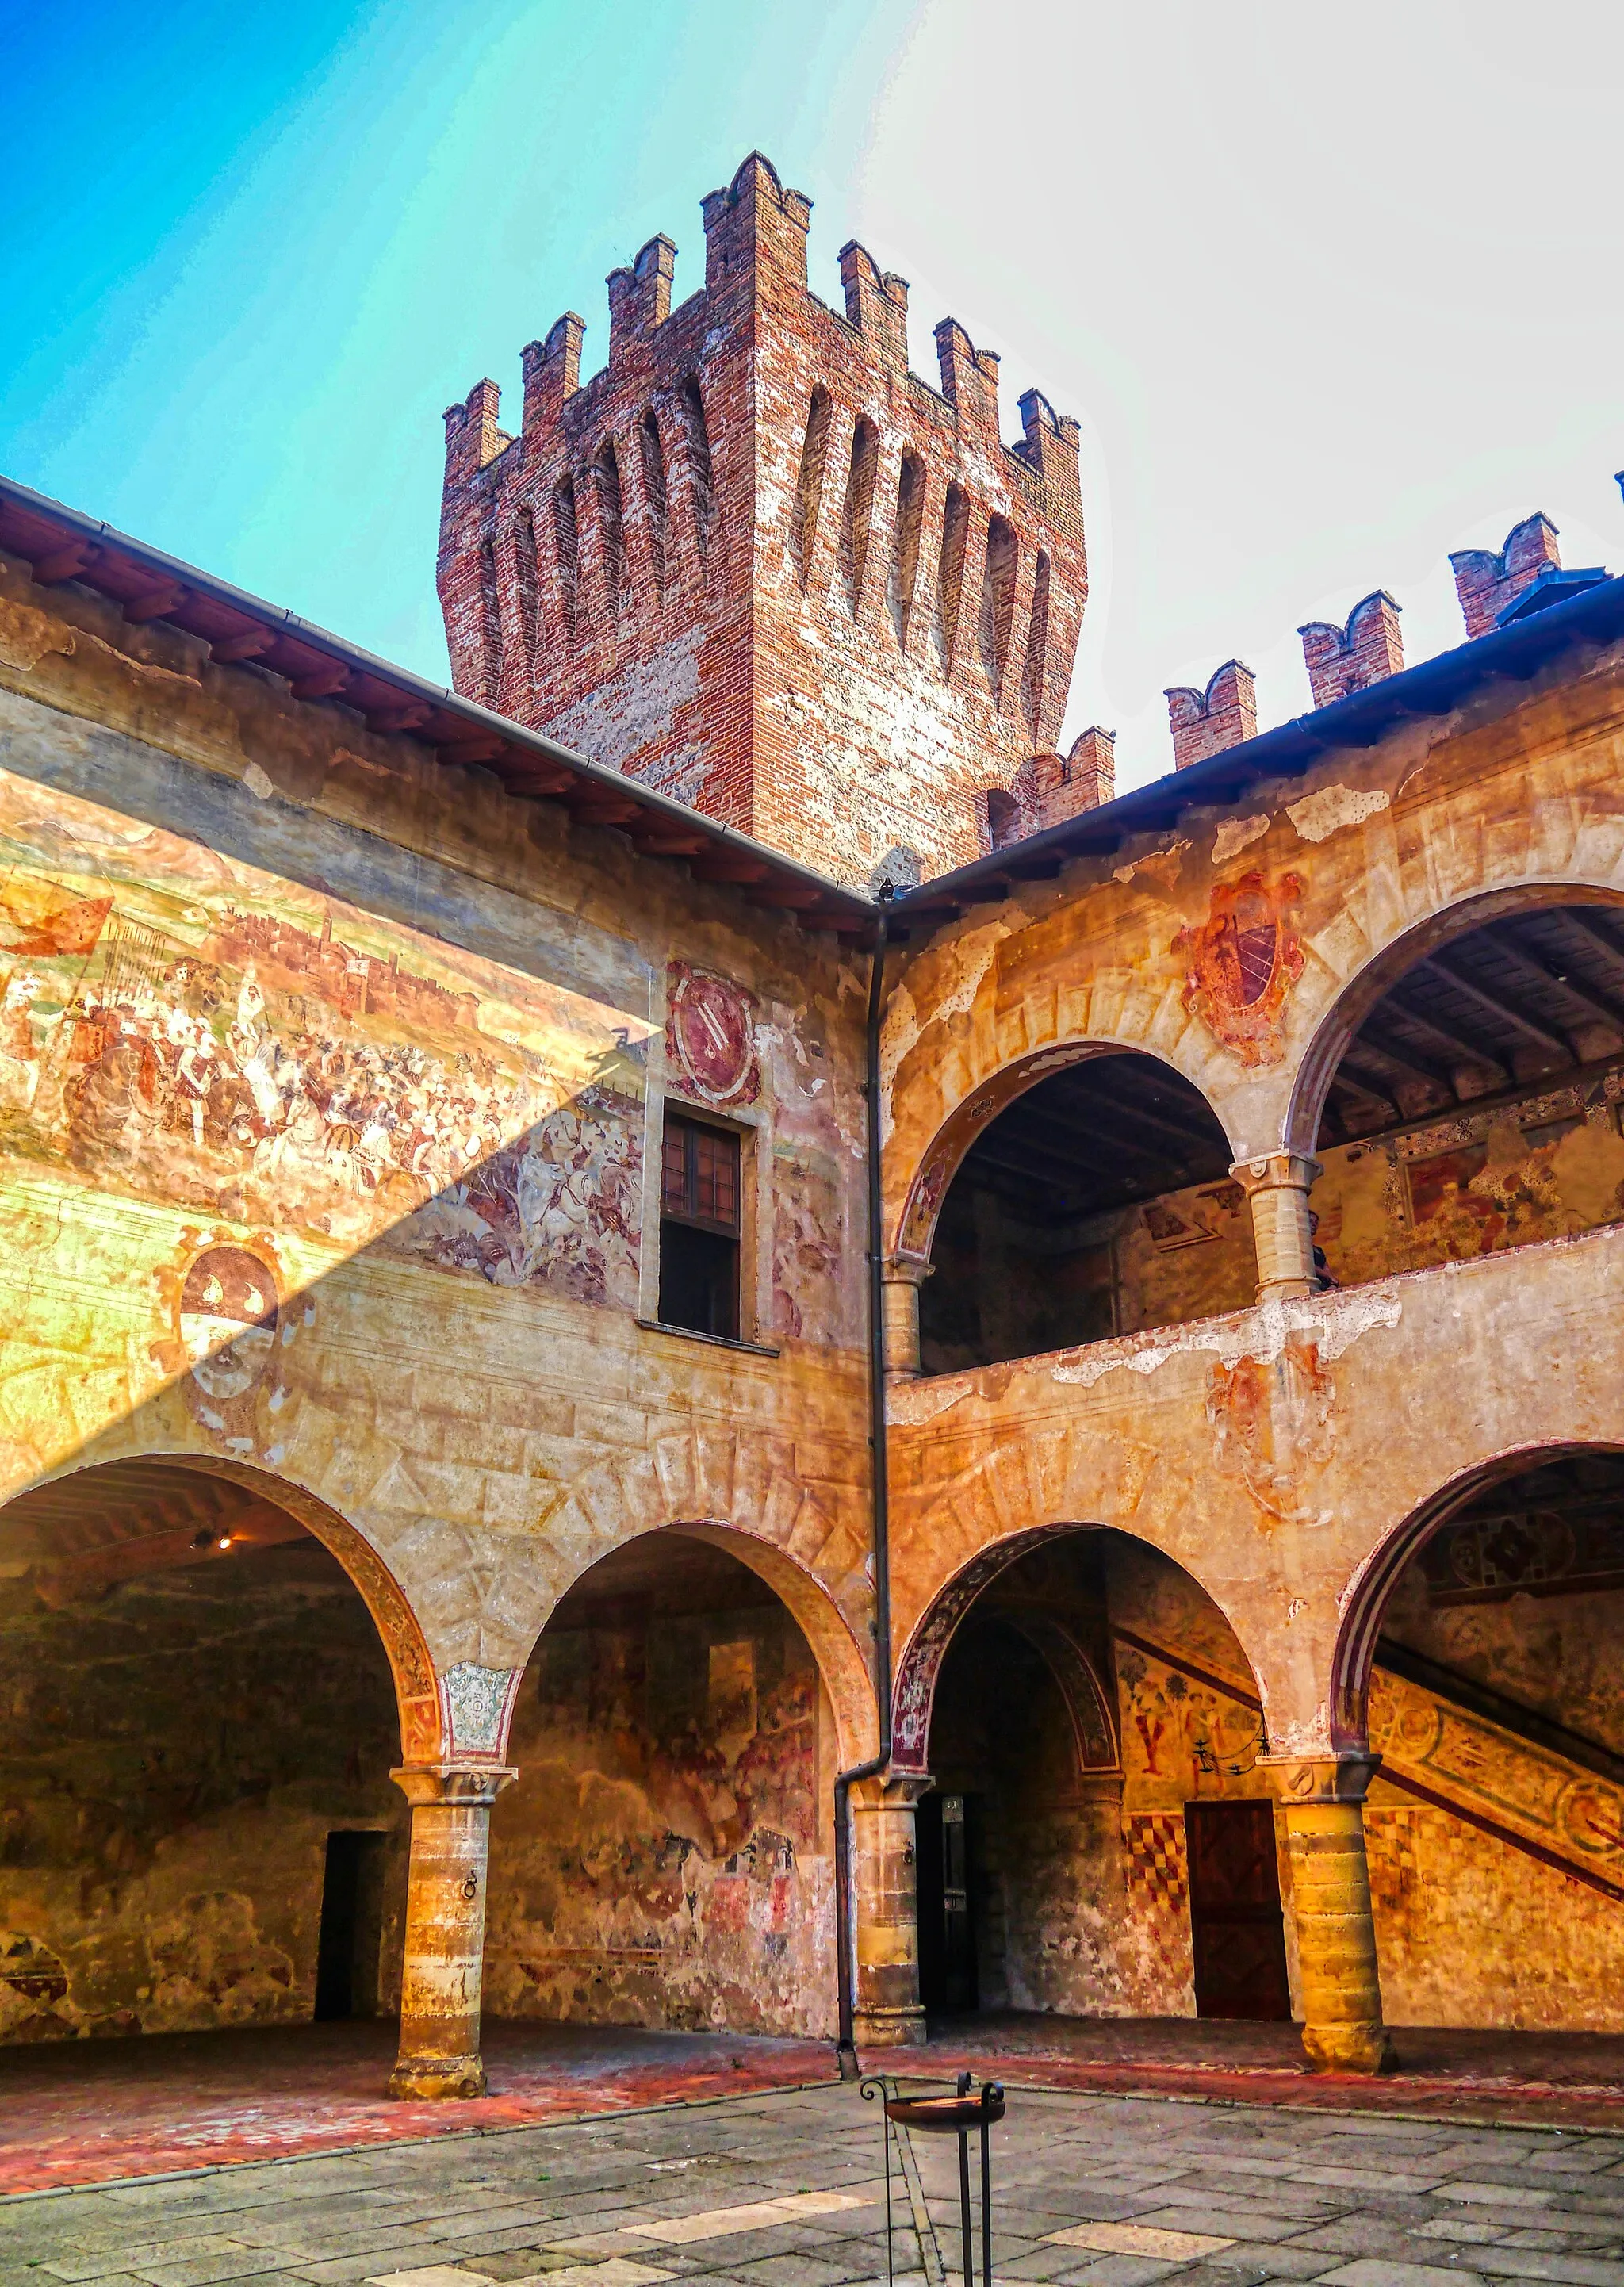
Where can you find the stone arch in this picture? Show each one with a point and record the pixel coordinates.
(914, 1692)
(1088, 1703)
(1366, 1597)
(975, 1111)
(1387, 961)
(845, 1672)
(423, 1728)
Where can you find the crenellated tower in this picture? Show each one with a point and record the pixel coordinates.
(758, 563)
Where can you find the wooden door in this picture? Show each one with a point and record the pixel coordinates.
(1236, 1930)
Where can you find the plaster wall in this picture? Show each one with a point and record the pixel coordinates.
(175, 1752)
(664, 1858)
(328, 1082)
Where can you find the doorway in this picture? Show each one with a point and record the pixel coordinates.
(1237, 1934)
(946, 1932)
(350, 1942)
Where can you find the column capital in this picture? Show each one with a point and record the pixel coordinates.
(454, 1786)
(1321, 1778)
(904, 1269)
(1277, 1171)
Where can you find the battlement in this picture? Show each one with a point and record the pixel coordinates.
(722, 560)
(1370, 648)
(1487, 584)
(1205, 722)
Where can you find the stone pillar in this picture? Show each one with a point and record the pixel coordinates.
(903, 1275)
(1323, 1800)
(1278, 1188)
(445, 1927)
(886, 2009)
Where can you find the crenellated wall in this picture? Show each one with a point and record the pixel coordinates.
(757, 562)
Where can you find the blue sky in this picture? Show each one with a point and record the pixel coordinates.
(1332, 295)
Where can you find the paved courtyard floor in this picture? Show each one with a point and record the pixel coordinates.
(786, 2189)
(78, 2112)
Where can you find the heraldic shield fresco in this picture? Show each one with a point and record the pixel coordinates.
(177, 1026)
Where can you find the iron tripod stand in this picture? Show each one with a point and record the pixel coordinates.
(941, 2115)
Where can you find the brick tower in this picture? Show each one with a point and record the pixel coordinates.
(757, 563)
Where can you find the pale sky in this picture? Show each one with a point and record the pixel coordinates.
(1332, 291)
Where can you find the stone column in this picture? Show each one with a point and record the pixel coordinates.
(1278, 1187)
(886, 2009)
(445, 1927)
(903, 1275)
(1323, 1800)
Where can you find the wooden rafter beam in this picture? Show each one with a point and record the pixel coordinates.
(1499, 1004)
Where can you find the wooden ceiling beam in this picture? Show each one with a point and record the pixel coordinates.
(1497, 1004)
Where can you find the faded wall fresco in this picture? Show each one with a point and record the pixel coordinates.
(179, 1026)
(1475, 1184)
(661, 1860)
(176, 1751)
(1496, 1864)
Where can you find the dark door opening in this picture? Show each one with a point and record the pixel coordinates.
(1236, 1930)
(351, 1940)
(946, 1929)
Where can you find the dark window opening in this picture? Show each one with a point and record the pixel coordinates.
(351, 1930)
(1099, 1202)
(701, 472)
(1477, 1107)
(699, 1228)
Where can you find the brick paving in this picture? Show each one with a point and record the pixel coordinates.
(785, 2189)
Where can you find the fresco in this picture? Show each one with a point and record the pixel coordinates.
(178, 1026)
(1477, 1183)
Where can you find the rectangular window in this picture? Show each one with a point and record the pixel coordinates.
(699, 1228)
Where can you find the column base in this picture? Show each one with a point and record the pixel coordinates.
(416, 2079)
(890, 2028)
(1362, 2048)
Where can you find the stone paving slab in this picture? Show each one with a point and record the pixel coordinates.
(783, 2189)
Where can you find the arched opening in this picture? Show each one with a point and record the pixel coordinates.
(904, 575)
(1097, 1202)
(1468, 1096)
(997, 615)
(611, 525)
(1484, 1649)
(651, 454)
(857, 510)
(1099, 1840)
(199, 1829)
(665, 1858)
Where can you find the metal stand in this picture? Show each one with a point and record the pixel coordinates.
(956, 2115)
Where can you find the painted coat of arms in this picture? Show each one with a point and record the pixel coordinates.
(1243, 962)
(711, 1035)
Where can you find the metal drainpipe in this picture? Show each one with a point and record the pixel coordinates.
(846, 1918)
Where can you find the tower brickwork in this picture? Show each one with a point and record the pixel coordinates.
(759, 564)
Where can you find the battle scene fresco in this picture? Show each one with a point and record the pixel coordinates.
(178, 1026)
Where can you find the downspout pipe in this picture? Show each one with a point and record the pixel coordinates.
(845, 1914)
